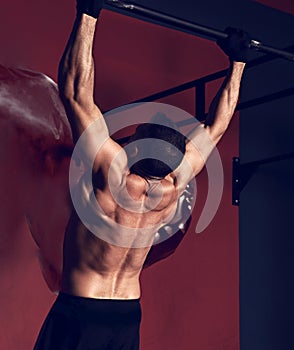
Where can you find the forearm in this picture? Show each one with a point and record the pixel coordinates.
(204, 137)
(76, 86)
(224, 104)
(76, 68)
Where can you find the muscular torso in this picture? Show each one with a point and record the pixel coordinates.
(100, 268)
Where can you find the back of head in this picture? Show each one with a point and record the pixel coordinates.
(163, 151)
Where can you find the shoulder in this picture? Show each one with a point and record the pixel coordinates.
(110, 166)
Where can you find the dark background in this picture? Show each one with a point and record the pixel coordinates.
(190, 301)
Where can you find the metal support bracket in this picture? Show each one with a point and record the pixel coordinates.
(242, 173)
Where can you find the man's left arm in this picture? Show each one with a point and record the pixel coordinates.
(76, 76)
(202, 139)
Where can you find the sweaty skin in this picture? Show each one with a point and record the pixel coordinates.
(93, 267)
(97, 269)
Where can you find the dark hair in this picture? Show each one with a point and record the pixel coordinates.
(171, 151)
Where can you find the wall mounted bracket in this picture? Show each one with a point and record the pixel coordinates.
(242, 173)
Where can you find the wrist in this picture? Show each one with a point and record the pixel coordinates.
(237, 66)
(84, 18)
(236, 71)
(238, 63)
(91, 8)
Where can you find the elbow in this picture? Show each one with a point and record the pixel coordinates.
(223, 128)
(216, 133)
(66, 97)
(65, 83)
(72, 92)
(65, 94)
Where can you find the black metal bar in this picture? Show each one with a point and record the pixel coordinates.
(198, 29)
(269, 160)
(162, 17)
(240, 106)
(200, 101)
(168, 92)
(243, 105)
(264, 99)
(205, 79)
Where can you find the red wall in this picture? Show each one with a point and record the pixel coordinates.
(282, 5)
(190, 301)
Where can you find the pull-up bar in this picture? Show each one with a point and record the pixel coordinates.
(193, 27)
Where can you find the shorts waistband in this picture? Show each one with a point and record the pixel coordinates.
(89, 308)
(66, 296)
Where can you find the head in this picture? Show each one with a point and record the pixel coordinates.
(156, 159)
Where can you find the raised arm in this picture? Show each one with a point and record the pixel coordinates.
(76, 87)
(223, 105)
(203, 139)
(76, 75)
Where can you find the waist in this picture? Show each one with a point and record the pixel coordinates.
(94, 285)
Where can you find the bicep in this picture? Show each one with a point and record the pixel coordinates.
(191, 165)
(200, 144)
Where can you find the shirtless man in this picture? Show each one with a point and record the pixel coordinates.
(99, 303)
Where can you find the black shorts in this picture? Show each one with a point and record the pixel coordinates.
(77, 323)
